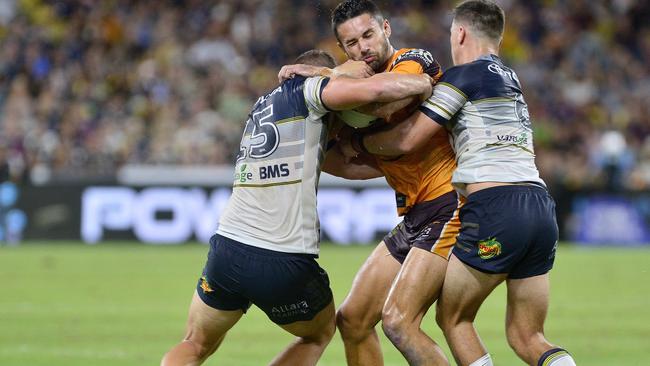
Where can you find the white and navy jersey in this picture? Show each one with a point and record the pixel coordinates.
(273, 203)
(482, 105)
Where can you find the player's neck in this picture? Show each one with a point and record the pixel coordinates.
(385, 64)
(478, 49)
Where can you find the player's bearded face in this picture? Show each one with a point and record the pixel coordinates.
(363, 38)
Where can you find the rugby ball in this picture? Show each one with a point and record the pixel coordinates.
(356, 119)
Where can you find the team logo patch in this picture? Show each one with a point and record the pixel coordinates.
(489, 248)
(205, 286)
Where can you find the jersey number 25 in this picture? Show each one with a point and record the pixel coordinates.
(264, 136)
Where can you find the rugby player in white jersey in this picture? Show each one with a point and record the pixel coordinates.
(508, 225)
(265, 247)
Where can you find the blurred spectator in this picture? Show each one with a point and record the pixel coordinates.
(87, 86)
(614, 159)
(4, 166)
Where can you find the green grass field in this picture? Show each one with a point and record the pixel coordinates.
(126, 304)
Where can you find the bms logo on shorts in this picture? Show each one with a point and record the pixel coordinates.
(489, 248)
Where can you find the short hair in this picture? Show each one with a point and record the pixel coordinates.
(316, 58)
(349, 9)
(483, 16)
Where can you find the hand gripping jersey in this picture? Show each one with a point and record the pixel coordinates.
(481, 103)
(425, 174)
(273, 203)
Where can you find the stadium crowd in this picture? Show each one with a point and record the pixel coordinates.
(88, 86)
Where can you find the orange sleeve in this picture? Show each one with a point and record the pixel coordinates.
(413, 61)
(416, 61)
(408, 67)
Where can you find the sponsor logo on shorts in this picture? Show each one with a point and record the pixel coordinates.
(205, 286)
(425, 233)
(489, 248)
(287, 310)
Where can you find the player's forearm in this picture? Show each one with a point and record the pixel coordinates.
(385, 110)
(356, 169)
(392, 142)
(345, 93)
(352, 69)
(391, 87)
(401, 138)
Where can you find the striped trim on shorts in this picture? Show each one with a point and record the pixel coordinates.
(430, 225)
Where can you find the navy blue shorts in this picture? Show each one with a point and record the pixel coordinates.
(288, 287)
(508, 229)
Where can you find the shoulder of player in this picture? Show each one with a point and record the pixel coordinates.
(299, 85)
(412, 52)
(415, 61)
(467, 77)
(468, 70)
(289, 98)
(294, 85)
(418, 55)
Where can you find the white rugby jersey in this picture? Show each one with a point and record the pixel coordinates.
(482, 105)
(273, 203)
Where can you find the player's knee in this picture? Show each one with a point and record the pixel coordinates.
(394, 327)
(321, 338)
(449, 318)
(521, 339)
(328, 332)
(350, 324)
(514, 340)
(200, 350)
(443, 319)
(344, 321)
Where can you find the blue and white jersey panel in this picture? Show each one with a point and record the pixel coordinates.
(273, 204)
(482, 105)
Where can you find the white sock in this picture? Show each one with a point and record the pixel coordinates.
(486, 360)
(557, 357)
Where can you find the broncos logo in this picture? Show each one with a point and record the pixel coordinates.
(424, 58)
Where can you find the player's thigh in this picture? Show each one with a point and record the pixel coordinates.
(528, 300)
(206, 325)
(371, 284)
(464, 290)
(321, 326)
(417, 285)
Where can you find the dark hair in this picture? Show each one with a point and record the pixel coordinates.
(349, 9)
(484, 16)
(316, 58)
